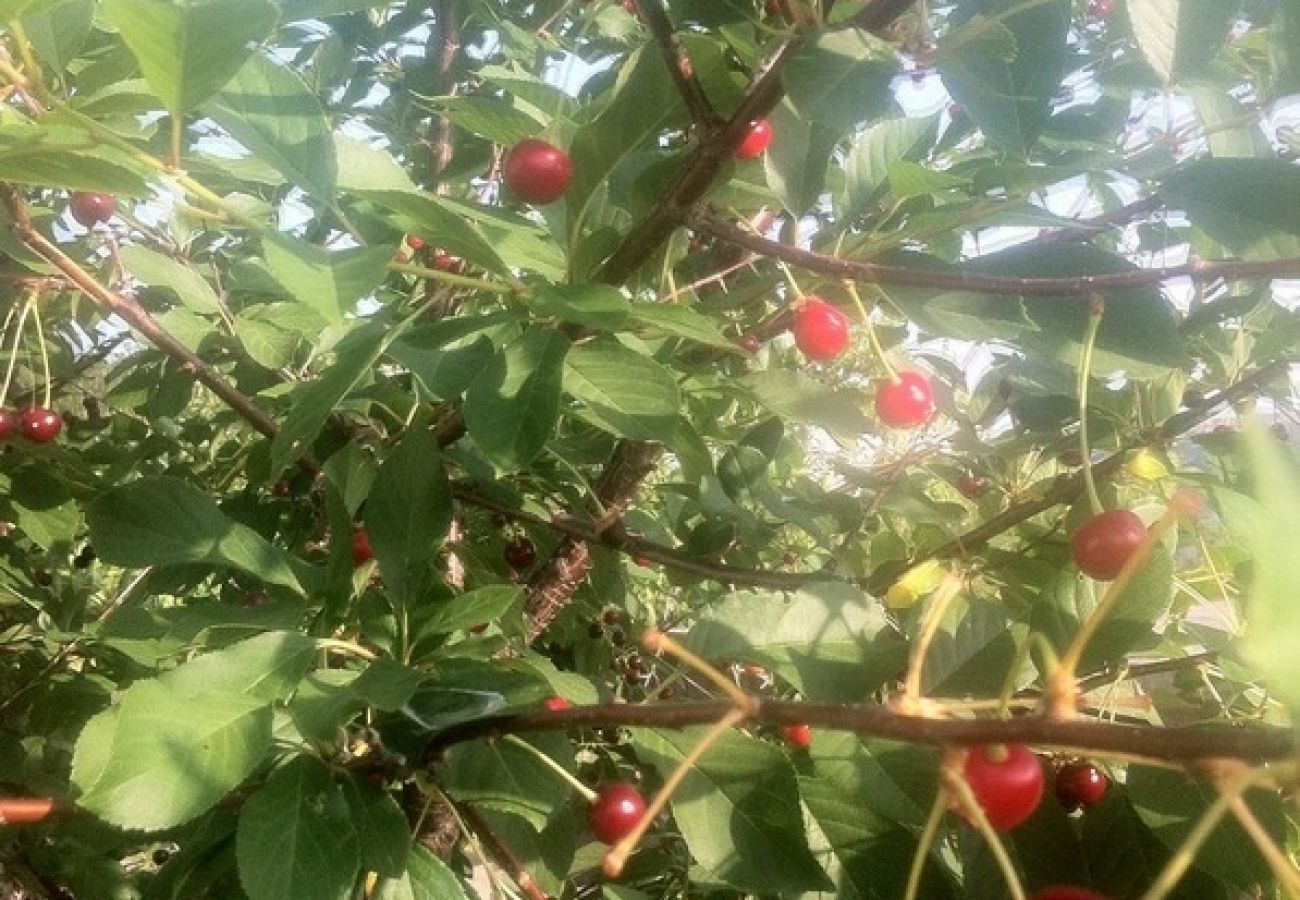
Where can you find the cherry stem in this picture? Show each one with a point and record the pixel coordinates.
(178, 133)
(1283, 869)
(28, 303)
(616, 856)
(789, 277)
(346, 647)
(1182, 860)
(938, 608)
(955, 784)
(1096, 306)
(872, 337)
(45, 355)
(1062, 693)
(656, 641)
(1009, 683)
(923, 845)
(587, 793)
(30, 64)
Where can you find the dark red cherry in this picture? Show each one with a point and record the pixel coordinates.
(1105, 542)
(617, 809)
(8, 424)
(520, 553)
(907, 402)
(415, 242)
(820, 330)
(1080, 786)
(362, 552)
(1007, 782)
(972, 486)
(797, 736)
(90, 208)
(756, 140)
(537, 172)
(750, 343)
(1066, 893)
(40, 425)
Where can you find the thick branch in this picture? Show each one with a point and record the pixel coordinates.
(679, 65)
(1182, 744)
(964, 280)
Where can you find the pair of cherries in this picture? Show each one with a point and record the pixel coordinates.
(1007, 781)
(37, 424)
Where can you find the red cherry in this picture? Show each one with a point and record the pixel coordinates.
(749, 343)
(820, 330)
(756, 140)
(1007, 782)
(555, 704)
(1080, 786)
(445, 262)
(972, 486)
(797, 736)
(414, 242)
(617, 809)
(1066, 893)
(520, 553)
(907, 402)
(362, 552)
(8, 424)
(642, 561)
(40, 425)
(537, 172)
(1102, 8)
(1104, 543)
(90, 208)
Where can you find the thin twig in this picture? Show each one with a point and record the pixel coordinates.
(679, 66)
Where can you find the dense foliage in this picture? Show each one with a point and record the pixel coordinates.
(384, 380)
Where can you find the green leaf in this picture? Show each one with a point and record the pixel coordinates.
(512, 406)
(269, 109)
(14, 9)
(386, 684)
(297, 10)
(469, 609)
(426, 878)
(160, 520)
(188, 49)
(134, 765)
(328, 283)
(1180, 38)
(1002, 61)
(971, 652)
(683, 322)
(1171, 804)
(57, 34)
(191, 288)
(505, 777)
(830, 639)
(909, 179)
(296, 838)
(265, 667)
(362, 167)
(738, 810)
(593, 305)
(866, 170)
(1273, 627)
(626, 393)
(446, 356)
(1247, 205)
(313, 404)
(56, 156)
(795, 396)
(840, 78)
(264, 340)
(408, 513)
(796, 162)
(381, 826)
(497, 120)
(439, 223)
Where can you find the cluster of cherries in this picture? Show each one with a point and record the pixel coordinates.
(38, 424)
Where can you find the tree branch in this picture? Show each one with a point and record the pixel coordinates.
(501, 853)
(1184, 744)
(962, 280)
(679, 66)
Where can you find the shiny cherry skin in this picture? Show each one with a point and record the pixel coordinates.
(1080, 786)
(537, 172)
(1066, 893)
(1105, 542)
(972, 486)
(90, 208)
(362, 552)
(756, 141)
(797, 736)
(907, 402)
(820, 330)
(1007, 782)
(520, 553)
(617, 809)
(555, 704)
(415, 242)
(8, 424)
(40, 425)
